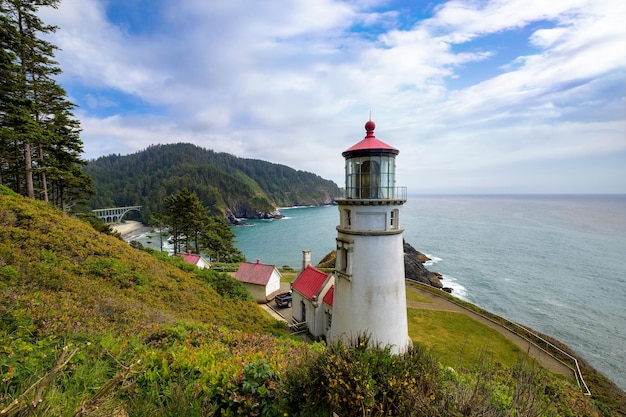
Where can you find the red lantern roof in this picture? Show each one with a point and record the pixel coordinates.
(371, 142)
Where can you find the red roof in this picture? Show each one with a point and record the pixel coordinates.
(330, 296)
(310, 282)
(370, 141)
(255, 273)
(190, 258)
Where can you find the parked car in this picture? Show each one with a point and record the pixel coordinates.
(283, 299)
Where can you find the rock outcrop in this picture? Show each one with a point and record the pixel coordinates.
(415, 270)
(235, 219)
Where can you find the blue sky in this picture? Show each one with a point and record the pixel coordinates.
(503, 96)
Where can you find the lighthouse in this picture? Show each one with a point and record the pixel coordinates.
(370, 294)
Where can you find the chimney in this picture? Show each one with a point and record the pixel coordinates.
(258, 261)
(306, 259)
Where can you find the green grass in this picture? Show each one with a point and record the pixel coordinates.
(288, 276)
(416, 296)
(457, 340)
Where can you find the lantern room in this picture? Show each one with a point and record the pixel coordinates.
(370, 168)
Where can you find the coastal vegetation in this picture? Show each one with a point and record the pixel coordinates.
(92, 326)
(227, 185)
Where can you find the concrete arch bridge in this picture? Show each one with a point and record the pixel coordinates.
(114, 214)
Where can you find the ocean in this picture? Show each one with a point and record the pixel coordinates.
(553, 263)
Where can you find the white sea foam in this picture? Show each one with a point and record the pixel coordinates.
(433, 260)
(458, 290)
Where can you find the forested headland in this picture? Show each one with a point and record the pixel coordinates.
(225, 184)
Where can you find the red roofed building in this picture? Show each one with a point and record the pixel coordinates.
(195, 259)
(308, 290)
(261, 280)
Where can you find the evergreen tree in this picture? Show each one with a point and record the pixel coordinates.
(185, 217)
(41, 147)
(217, 241)
(192, 228)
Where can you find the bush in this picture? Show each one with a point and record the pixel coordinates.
(225, 285)
(362, 380)
(252, 393)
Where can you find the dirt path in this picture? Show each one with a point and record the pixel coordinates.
(441, 304)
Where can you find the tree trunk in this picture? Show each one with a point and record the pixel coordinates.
(44, 181)
(28, 165)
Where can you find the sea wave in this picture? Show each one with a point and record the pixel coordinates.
(433, 260)
(458, 290)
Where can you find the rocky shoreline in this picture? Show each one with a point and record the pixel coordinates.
(415, 270)
(240, 218)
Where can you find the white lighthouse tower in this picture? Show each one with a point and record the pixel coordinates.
(370, 294)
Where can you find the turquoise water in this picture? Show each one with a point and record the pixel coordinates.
(554, 263)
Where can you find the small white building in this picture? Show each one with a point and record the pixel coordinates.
(261, 280)
(310, 303)
(195, 259)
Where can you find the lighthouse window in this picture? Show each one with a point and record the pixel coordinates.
(342, 262)
(347, 218)
(341, 259)
(368, 179)
(394, 219)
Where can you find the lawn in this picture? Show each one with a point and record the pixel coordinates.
(457, 340)
(416, 296)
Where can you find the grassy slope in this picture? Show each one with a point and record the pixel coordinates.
(63, 284)
(98, 281)
(459, 341)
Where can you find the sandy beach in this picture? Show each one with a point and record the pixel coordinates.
(128, 227)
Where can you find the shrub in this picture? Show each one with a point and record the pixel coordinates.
(225, 285)
(362, 379)
(252, 393)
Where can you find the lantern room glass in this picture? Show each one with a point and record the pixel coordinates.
(371, 177)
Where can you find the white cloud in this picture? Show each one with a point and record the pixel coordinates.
(292, 82)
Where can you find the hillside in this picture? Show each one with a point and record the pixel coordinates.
(244, 188)
(64, 286)
(93, 327)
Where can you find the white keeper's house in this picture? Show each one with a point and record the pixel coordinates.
(261, 280)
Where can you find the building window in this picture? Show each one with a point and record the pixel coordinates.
(329, 319)
(303, 308)
(394, 221)
(342, 261)
(347, 219)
